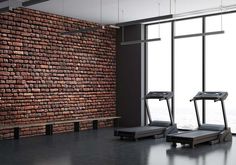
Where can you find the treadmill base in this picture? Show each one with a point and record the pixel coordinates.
(136, 133)
(223, 136)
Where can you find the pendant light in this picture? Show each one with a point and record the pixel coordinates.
(124, 43)
(221, 31)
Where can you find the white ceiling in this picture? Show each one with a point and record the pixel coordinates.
(132, 9)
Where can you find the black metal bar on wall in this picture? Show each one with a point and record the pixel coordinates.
(139, 41)
(199, 34)
(173, 68)
(203, 67)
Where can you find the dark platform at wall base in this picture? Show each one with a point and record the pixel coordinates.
(95, 124)
(16, 133)
(49, 129)
(76, 127)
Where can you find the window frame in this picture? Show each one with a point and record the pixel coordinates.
(173, 57)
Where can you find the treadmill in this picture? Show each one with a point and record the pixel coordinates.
(206, 133)
(157, 129)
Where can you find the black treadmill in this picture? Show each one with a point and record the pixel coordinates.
(210, 133)
(157, 129)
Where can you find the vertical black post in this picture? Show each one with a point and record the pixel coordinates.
(173, 68)
(125, 86)
(197, 114)
(145, 71)
(16, 133)
(147, 111)
(169, 110)
(49, 129)
(95, 124)
(76, 127)
(203, 68)
(116, 123)
(224, 115)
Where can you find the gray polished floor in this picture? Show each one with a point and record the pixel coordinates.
(101, 148)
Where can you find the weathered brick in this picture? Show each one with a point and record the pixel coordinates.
(18, 52)
(48, 77)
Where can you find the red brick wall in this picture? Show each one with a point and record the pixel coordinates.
(45, 76)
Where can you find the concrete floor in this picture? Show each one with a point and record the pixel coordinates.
(102, 148)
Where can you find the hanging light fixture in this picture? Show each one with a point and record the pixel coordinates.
(221, 31)
(118, 16)
(123, 43)
(151, 19)
(203, 12)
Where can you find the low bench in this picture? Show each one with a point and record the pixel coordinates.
(49, 125)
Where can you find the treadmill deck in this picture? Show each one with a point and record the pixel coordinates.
(197, 134)
(138, 132)
(193, 137)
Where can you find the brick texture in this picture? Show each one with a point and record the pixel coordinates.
(45, 76)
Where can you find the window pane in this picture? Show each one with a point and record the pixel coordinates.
(221, 70)
(159, 68)
(191, 26)
(217, 21)
(188, 80)
(154, 31)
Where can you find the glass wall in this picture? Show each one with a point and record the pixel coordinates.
(188, 80)
(220, 57)
(186, 27)
(188, 72)
(221, 68)
(159, 67)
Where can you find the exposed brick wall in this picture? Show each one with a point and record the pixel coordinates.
(45, 76)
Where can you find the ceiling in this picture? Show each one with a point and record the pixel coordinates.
(129, 9)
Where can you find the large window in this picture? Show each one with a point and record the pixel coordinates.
(188, 80)
(188, 72)
(221, 69)
(159, 67)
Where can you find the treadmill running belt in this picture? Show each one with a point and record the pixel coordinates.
(138, 132)
(141, 129)
(196, 134)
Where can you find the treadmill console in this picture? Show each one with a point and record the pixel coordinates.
(159, 95)
(216, 96)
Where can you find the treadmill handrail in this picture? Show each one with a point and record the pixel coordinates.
(221, 97)
(161, 95)
(216, 96)
(160, 99)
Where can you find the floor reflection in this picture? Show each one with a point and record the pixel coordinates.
(202, 155)
(102, 148)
